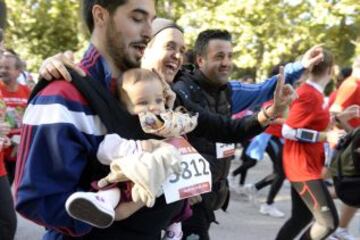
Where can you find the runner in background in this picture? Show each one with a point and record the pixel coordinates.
(8, 220)
(348, 94)
(15, 96)
(304, 159)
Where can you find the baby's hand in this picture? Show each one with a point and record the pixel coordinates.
(116, 175)
(170, 124)
(151, 121)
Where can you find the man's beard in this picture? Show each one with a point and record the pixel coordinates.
(116, 50)
(216, 80)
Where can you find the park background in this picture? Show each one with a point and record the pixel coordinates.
(265, 32)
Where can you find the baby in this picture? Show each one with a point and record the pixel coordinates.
(142, 92)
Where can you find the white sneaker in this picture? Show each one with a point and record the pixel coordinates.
(173, 232)
(271, 210)
(343, 234)
(251, 192)
(90, 208)
(235, 186)
(233, 182)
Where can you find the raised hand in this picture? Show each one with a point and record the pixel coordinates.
(283, 96)
(350, 112)
(284, 93)
(312, 57)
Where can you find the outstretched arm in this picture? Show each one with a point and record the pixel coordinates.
(247, 95)
(219, 128)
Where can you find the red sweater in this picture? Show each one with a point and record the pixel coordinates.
(16, 102)
(2, 117)
(349, 94)
(304, 161)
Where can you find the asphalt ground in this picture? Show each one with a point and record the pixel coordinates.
(241, 221)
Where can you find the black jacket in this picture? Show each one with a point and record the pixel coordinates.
(192, 89)
(213, 125)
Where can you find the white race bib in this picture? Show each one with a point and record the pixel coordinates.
(195, 178)
(224, 150)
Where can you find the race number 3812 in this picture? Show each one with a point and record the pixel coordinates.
(195, 177)
(194, 168)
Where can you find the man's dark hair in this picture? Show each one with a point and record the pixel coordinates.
(110, 5)
(204, 38)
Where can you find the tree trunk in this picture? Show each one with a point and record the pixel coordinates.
(2, 14)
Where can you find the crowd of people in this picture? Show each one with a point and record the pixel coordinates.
(137, 140)
(15, 87)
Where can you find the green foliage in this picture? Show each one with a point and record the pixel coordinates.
(41, 28)
(2, 14)
(268, 32)
(265, 32)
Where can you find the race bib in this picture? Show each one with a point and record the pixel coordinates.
(195, 178)
(224, 150)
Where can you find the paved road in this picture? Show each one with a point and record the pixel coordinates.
(242, 221)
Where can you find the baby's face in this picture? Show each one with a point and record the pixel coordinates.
(145, 96)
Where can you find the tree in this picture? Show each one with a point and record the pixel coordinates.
(40, 28)
(2, 14)
(175, 9)
(267, 32)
